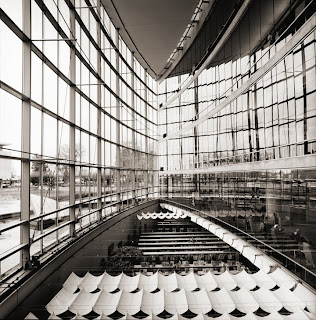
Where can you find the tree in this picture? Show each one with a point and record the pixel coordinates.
(122, 259)
(36, 165)
(36, 170)
(64, 154)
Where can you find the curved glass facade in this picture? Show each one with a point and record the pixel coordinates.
(78, 122)
(272, 118)
(246, 153)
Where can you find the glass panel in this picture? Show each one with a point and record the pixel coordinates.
(50, 89)
(10, 123)
(13, 9)
(10, 57)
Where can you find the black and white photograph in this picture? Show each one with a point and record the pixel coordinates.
(158, 159)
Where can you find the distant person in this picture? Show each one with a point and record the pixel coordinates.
(261, 227)
(296, 235)
(248, 227)
(272, 219)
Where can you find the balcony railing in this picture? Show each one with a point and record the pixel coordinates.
(296, 268)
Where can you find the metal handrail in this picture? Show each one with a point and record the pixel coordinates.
(13, 225)
(229, 226)
(44, 258)
(12, 251)
(43, 235)
(232, 158)
(77, 204)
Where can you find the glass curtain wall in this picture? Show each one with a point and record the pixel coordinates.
(78, 117)
(274, 120)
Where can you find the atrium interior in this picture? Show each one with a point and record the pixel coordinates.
(158, 159)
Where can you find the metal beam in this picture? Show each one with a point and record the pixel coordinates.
(300, 162)
(220, 44)
(87, 7)
(188, 37)
(61, 39)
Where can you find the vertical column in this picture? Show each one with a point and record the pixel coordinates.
(250, 137)
(196, 111)
(133, 177)
(72, 116)
(118, 118)
(100, 114)
(156, 159)
(256, 155)
(58, 144)
(196, 138)
(26, 134)
(180, 125)
(40, 223)
(146, 133)
(168, 177)
(305, 100)
(180, 141)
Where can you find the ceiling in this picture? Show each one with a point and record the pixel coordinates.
(151, 28)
